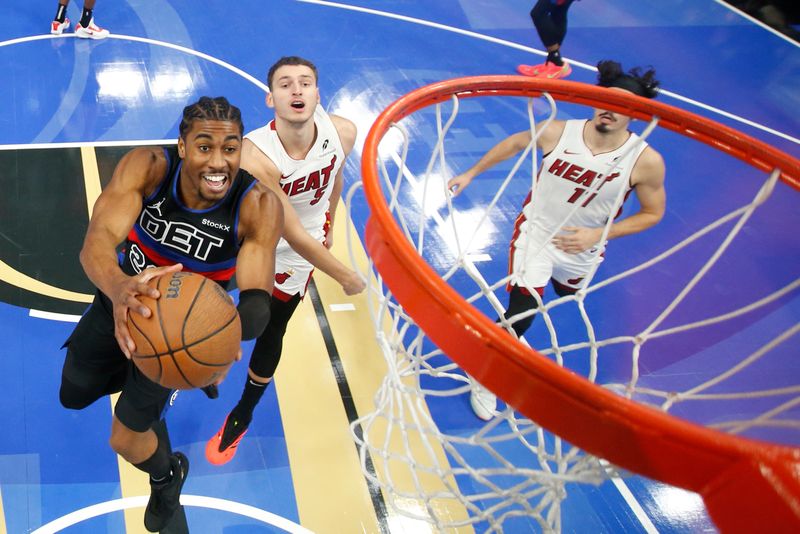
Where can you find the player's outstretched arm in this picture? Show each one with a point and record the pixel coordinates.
(347, 135)
(113, 216)
(503, 150)
(260, 166)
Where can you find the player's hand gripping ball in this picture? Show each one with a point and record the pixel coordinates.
(192, 337)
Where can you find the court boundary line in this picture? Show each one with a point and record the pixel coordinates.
(757, 22)
(350, 409)
(199, 501)
(574, 62)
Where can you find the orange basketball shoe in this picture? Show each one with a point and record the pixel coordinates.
(221, 448)
(545, 70)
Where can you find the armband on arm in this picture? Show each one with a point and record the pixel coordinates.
(254, 312)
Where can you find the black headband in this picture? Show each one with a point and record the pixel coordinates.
(629, 83)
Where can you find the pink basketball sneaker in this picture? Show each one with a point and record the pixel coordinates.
(545, 70)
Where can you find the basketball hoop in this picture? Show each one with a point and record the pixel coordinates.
(747, 485)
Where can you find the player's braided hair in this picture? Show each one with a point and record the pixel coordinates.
(210, 109)
(610, 74)
(290, 60)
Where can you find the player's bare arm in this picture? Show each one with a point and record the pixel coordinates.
(113, 216)
(260, 166)
(347, 135)
(260, 227)
(505, 149)
(647, 179)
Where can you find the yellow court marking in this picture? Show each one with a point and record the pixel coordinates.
(329, 485)
(2, 515)
(132, 483)
(15, 278)
(330, 492)
(365, 368)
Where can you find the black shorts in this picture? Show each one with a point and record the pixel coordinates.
(94, 360)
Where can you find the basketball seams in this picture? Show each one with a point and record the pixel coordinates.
(180, 371)
(143, 334)
(191, 309)
(195, 310)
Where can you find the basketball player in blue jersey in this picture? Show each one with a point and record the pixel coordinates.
(585, 163)
(191, 207)
(300, 155)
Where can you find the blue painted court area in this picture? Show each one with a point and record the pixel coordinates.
(164, 54)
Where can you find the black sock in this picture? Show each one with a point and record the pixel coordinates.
(554, 56)
(253, 391)
(61, 13)
(86, 17)
(158, 466)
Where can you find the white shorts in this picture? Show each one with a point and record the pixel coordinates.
(292, 272)
(534, 263)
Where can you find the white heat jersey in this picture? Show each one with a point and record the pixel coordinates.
(574, 188)
(571, 178)
(307, 182)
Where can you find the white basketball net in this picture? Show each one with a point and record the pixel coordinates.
(490, 475)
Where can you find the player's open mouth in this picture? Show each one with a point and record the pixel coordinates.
(216, 181)
(298, 104)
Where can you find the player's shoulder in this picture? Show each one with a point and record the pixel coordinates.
(550, 135)
(650, 158)
(256, 161)
(260, 203)
(346, 129)
(649, 167)
(142, 166)
(259, 132)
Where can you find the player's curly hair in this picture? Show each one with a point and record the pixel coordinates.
(210, 109)
(610, 74)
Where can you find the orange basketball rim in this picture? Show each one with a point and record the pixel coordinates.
(747, 485)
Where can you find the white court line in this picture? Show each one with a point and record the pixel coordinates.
(81, 144)
(754, 20)
(199, 501)
(510, 44)
(407, 19)
(52, 316)
(347, 306)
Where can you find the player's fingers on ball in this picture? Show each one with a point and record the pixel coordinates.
(135, 305)
(124, 344)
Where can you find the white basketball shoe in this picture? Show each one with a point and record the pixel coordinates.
(483, 401)
(92, 31)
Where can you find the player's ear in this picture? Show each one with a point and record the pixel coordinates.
(181, 148)
(269, 100)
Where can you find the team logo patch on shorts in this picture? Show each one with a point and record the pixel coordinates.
(282, 277)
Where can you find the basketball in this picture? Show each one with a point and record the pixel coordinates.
(192, 336)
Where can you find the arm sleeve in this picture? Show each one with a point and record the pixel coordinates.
(254, 312)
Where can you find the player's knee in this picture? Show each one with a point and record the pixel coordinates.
(122, 440)
(75, 397)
